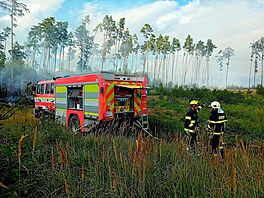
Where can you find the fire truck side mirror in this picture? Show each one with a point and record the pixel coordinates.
(34, 89)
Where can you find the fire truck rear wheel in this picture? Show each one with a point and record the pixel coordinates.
(74, 124)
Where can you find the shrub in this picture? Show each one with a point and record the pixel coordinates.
(260, 90)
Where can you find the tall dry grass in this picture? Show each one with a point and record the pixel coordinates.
(69, 165)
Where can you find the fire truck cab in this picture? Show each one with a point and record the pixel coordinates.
(44, 98)
(85, 100)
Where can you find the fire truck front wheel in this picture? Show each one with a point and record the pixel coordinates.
(41, 114)
(74, 124)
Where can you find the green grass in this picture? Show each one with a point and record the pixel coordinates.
(57, 163)
(167, 108)
(62, 164)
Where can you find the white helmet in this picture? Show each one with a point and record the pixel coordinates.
(215, 104)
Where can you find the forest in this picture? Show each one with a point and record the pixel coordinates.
(51, 49)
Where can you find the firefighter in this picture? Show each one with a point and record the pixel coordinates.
(216, 127)
(191, 124)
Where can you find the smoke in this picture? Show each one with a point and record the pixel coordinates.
(18, 81)
(14, 82)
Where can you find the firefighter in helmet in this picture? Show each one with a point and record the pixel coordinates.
(216, 128)
(191, 124)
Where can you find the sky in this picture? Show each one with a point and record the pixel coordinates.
(229, 23)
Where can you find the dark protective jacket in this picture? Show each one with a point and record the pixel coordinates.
(191, 121)
(217, 122)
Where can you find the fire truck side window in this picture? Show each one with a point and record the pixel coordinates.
(52, 88)
(42, 89)
(75, 97)
(38, 89)
(47, 91)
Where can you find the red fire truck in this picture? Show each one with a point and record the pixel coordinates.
(87, 100)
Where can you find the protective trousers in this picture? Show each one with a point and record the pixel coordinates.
(192, 140)
(217, 145)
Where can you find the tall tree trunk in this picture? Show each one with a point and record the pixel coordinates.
(69, 59)
(62, 62)
(132, 62)
(136, 59)
(204, 73)
(144, 62)
(207, 71)
(33, 58)
(12, 39)
(118, 46)
(155, 65)
(185, 68)
(194, 70)
(115, 55)
(159, 62)
(172, 67)
(45, 52)
(176, 66)
(254, 79)
(199, 69)
(41, 58)
(103, 55)
(249, 76)
(189, 63)
(55, 58)
(261, 75)
(167, 69)
(147, 62)
(48, 61)
(59, 61)
(227, 72)
(5, 45)
(125, 63)
(182, 68)
(83, 61)
(164, 70)
(196, 67)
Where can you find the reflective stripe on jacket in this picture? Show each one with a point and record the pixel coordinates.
(217, 122)
(191, 121)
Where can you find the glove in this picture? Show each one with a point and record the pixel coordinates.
(187, 133)
(201, 106)
(208, 128)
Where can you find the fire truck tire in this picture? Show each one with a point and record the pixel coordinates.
(36, 113)
(74, 124)
(41, 114)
